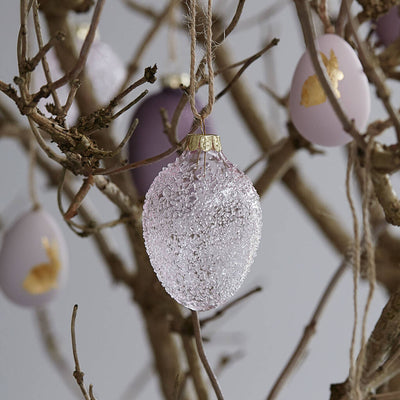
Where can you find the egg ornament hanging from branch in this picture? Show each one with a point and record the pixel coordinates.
(104, 69)
(149, 138)
(201, 225)
(309, 107)
(33, 260)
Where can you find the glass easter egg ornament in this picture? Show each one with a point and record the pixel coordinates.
(202, 225)
(33, 260)
(149, 138)
(310, 109)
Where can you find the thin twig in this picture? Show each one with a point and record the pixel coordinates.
(83, 55)
(91, 392)
(203, 357)
(78, 374)
(131, 104)
(149, 76)
(125, 140)
(246, 64)
(118, 197)
(50, 153)
(262, 16)
(278, 163)
(51, 346)
(194, 366)
(321, 7)
(223, 35)
(22, 43)
(79, 197)
(42, 51)
(309, 331)
(281, 100)
(142, 9)
(387, 197)
(219, 313)
(341, 19)
(159, 21)
(91, 227)
(75, 85)
(150, 160)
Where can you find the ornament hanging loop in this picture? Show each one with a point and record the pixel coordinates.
(206, 111)
(203, 126)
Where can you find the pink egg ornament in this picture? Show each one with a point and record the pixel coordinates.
(149, 138)
(33, 260)
(310, 109)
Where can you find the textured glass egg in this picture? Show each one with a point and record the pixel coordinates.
(33, 260)
(388, 26)
(149, 138)
(310, 109)
(202, 226)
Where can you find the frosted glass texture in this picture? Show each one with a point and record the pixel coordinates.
(202, 226)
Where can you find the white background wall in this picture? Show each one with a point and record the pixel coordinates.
(293, 265)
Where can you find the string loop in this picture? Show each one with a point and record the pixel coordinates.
(206, 111)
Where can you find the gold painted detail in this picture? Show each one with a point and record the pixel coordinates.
(203, 142)
(43, 277)
(312, 92)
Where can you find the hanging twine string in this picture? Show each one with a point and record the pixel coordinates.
(206, 111)
(356, 259)
(356, 366)
(370, 259)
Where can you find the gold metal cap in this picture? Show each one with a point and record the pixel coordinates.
(203, 142)
(174, 81)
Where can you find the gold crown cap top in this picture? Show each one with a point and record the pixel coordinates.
(174, 81)
(203, 142)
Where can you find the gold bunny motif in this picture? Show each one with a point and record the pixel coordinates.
(43, 277)
(312, 92)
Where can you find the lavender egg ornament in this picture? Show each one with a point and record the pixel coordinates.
(149, 138)
(310, 109)
(33, 260)
(104, 69)
(388, 26)
(201, 225)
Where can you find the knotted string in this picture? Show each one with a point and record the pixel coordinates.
(206, 111)
(356, 260)
(369, 248)
(356, 366)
